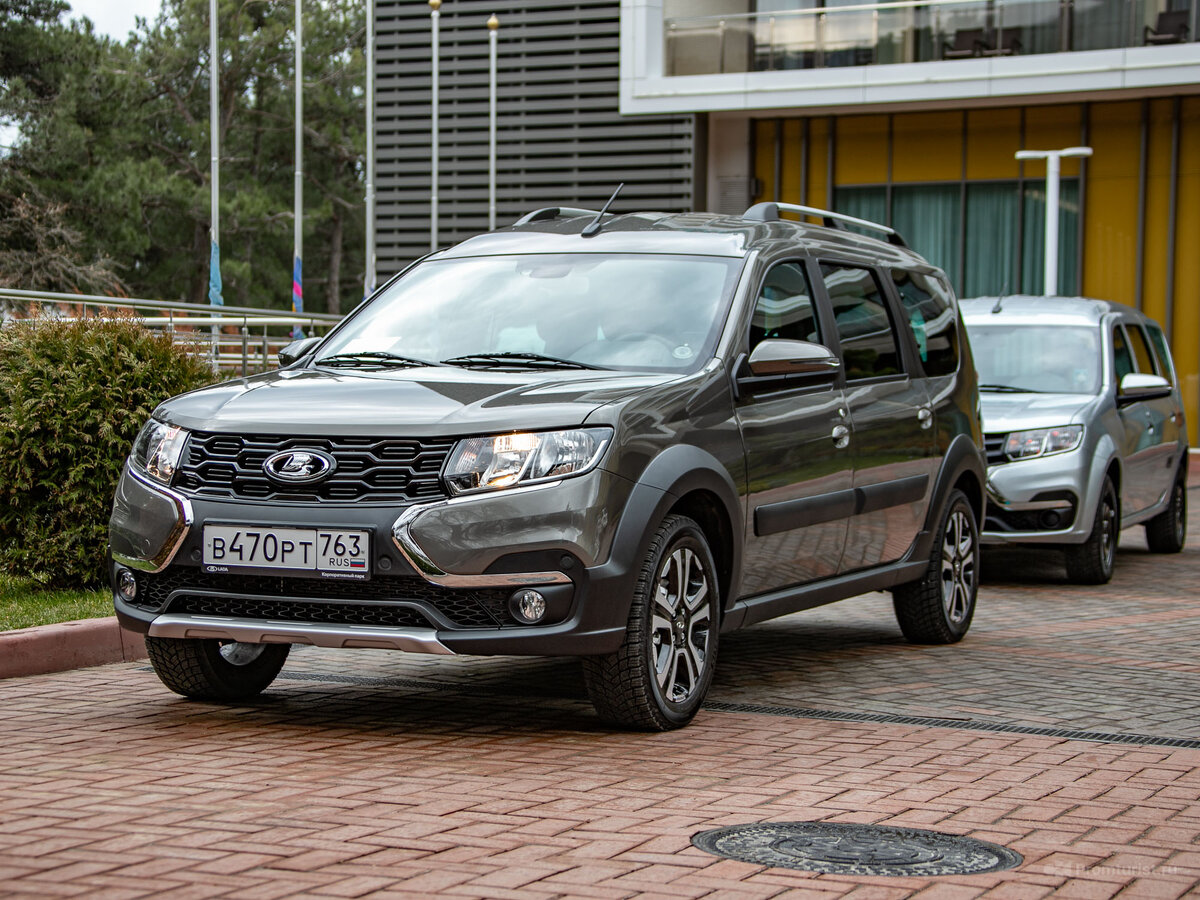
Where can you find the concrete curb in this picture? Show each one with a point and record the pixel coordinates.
(67, 645)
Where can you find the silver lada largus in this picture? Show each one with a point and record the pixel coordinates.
(1083, 425)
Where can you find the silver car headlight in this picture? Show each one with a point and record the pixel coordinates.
(157, 450)
(1042, 442)
(508, 460)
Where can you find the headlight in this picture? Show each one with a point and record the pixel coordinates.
(157, 450)
(1042, 441)
(506, 460)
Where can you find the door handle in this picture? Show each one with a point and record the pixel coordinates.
(841, 436)
(925, 416)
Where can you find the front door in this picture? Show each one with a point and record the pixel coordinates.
(799, 470)
(891, 419)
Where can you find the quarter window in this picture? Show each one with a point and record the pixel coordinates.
(784, 308)
(929, 310)
(1165, 367)
(864, 327)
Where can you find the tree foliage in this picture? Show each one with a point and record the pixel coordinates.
(116, 140)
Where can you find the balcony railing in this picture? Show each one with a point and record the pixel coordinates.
(906, 31)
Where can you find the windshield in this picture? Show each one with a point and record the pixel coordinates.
(620, 311)
(1042, 358)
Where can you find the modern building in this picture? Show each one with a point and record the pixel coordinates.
(908, 112)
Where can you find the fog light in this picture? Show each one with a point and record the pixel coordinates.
(528, 606)
(1050, 519)
(127, 584)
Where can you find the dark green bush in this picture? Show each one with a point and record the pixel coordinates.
(73, 396)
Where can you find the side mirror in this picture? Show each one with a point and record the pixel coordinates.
(1136, 386)
(777, 356)
(297, 350)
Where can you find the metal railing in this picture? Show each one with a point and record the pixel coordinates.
(233, 338)
(828, 35)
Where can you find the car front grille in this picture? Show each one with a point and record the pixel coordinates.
(384, 470)
(993, 444)
(373, 602)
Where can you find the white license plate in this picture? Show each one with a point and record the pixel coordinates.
(324, 552)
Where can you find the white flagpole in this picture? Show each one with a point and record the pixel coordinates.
(434, 15)
(493, 25)
(214, 141)
(297, 265)
(369, 264)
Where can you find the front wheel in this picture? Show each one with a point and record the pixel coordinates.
(938, 607)
(210, 669)
(658, 678)
(1093, 561)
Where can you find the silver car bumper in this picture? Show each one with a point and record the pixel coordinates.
(1051, 500)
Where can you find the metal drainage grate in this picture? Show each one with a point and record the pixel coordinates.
(836, 849)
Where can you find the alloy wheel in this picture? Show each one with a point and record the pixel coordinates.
(680, 620)
(958, 567)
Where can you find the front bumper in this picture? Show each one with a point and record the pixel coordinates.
(442, 572)
(1039, 501)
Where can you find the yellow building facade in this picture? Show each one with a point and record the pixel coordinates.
(1134, 206)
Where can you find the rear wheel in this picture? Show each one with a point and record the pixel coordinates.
(658, 678)
(210, 669)
(938, 607)
(1167, 532)
(1093, 561)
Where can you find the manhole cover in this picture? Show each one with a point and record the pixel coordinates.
(855, 849)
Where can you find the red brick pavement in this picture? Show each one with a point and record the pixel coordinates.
(364, 773)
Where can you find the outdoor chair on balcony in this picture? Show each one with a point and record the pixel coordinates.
(1171, 28)
(1009, 44)
(968, 42)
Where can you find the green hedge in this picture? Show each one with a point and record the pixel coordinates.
(73, 395)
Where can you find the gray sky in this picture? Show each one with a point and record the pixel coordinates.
(114, 17)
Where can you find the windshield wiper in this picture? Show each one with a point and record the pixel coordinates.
(1008, 389)
(378, 358)
(511, 358)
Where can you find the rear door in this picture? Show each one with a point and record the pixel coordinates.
(891, 418)
(1157, 453)
(799, 471)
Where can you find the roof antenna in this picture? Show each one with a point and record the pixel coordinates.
(593, 227)
(1000, 299)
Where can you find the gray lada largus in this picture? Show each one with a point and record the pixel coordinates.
(612, 437)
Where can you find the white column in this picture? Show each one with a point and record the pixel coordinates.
(434, 15)
(1050, 270)
(493, 25)
(297, 264)
(369, 261)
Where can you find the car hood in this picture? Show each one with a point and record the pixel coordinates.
(420, 402)
(1019, 412)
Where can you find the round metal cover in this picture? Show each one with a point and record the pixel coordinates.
(838, 849)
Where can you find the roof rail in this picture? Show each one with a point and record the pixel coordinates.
(769, 212)
(554, 212)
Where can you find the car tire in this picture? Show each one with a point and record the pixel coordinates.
(1093, 561)
(660, 675)
(938, 607)
(1167, 532)
(209, 669)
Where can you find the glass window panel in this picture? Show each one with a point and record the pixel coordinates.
(1034, 241)
(1039, 358)
(928, 217)
(1122, 358)
(991, 239)
(930, 313)
(784, 308)
(868, 203)
(868, 339)
(1141, 350)
(1165, 365)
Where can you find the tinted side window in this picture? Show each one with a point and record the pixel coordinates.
(785, 308)
(1121, 355)
(930, 313)
(1165, 366)
(866, 331)
(1141, 350)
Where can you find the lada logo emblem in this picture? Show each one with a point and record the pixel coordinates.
(299, 466)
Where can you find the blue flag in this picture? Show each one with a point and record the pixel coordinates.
(214, 276)
(297, 299)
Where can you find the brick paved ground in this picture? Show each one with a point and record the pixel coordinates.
(367, 773)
